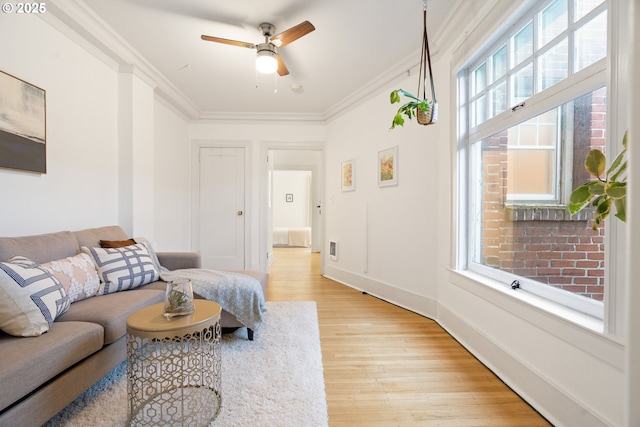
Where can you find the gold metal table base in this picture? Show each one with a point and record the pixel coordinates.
(174, 367)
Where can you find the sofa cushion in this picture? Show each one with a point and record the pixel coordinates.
(123, 268)
(91, 237)
(29, 362)
(77, 274)
(111, 311)
(30, 298)
(40, 248)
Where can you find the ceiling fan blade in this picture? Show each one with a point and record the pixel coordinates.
(282, 69)
(292, 34)
(227, 41)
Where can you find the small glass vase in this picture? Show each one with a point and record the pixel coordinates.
(178, 299)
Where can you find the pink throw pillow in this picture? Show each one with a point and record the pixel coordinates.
(77, 274)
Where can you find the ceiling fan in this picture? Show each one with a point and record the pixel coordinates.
(268, 60)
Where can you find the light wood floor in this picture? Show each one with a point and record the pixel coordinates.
(386, 366)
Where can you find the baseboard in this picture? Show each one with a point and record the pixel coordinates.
(419, 304)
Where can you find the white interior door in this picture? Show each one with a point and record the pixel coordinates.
(221, 219)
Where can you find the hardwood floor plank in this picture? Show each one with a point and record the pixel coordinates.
(386, 366)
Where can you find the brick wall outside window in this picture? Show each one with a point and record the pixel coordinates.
(542, 242)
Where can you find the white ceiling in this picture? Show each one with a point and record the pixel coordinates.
(355, 42)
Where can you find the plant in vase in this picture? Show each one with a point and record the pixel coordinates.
(178, 299)
(424, 110)
(609, 188)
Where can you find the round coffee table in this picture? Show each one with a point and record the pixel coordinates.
(174, 366)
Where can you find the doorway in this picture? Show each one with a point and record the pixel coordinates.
(295, 188)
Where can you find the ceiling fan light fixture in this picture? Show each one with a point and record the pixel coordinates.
(266, 61)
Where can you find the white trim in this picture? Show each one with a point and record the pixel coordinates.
(570, 326)
(619, 119)
(391, 293)
(261, 118)
(574, 86)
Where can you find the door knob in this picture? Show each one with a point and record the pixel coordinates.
(239, 213)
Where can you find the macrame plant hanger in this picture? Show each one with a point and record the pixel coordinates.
(430, 116)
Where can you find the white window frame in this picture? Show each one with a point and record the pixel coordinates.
(573, 86)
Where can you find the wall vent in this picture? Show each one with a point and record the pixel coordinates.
(333, 250)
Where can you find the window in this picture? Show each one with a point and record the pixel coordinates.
(536, 102)
(532, 156)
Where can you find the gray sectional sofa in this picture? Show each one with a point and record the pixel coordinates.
(41, 375)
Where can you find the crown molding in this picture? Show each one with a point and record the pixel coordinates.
(262, 118)
(78, 22)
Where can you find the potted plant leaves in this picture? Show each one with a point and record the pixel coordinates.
(424, 110)
(178, 298)
(607, 190)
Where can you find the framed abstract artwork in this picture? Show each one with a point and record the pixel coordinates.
(388, 167)
(23, 133)
(348, 175)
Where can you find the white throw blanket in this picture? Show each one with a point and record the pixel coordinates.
(237, 293)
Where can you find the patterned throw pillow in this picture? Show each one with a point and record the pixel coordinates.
(123, 268)
(77, 274)
(30, 298)
(152, 253)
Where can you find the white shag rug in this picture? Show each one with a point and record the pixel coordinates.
(275, 380)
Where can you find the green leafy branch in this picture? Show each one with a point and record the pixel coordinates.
(609, 188)
(409, 109)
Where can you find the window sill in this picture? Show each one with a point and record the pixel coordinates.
(522, 296)
(539, 212)
(573, 327)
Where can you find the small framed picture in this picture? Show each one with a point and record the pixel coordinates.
(289, 198)
(348, 175)
(388, 167)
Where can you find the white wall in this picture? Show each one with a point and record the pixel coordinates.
(295, 213)
(80, 188)
(172, 180)
(136, 213)
(387, 236)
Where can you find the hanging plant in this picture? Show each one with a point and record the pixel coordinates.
(609, 188)
(425, 111)
(422, 109)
